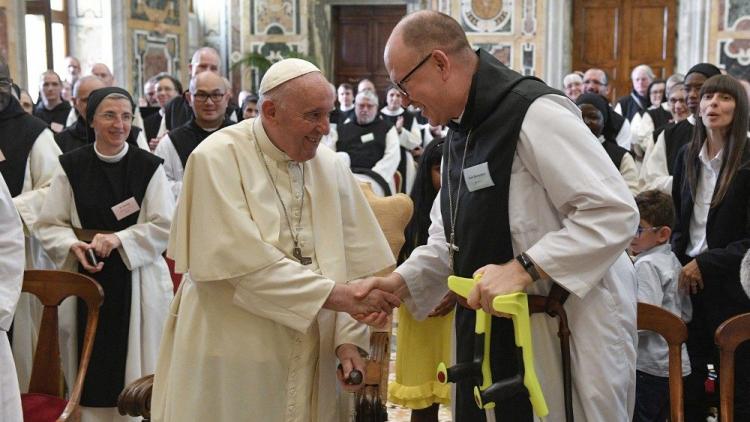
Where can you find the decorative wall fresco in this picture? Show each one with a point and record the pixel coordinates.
(154, 53)
(275, 17)
(166, 11)
(493, 16)
(730, 37)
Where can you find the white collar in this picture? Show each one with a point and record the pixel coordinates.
(715, 162)
(345, 109)
(388, 112)
(691, 119)
(112, 158)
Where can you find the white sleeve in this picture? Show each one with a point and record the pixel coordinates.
(623, 136)
(42, 166)
(12, 257)
(411, 138)
(141, 141)
(629, 172)
(172, 164)
(654, 172)
(55, 226)
(427, 269)
(388, 165)
(642, 134)
(144, 242)
(618, 109)
(597, 211)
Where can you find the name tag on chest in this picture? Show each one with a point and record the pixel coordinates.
(478, 177)
(367, 137)
(125, 208)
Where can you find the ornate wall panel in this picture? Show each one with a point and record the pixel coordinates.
(729, 44)
(154, 53)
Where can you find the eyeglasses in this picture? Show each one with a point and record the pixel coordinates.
(640, 230)
(403, 80)
(111, 117)
(6, 83)
(202, 97)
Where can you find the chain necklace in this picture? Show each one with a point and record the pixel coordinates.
(297, 251)
(452, 247)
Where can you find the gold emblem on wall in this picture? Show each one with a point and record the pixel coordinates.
(487, 15)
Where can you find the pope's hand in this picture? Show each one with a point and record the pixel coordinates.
(497, 280)
(373, 307)
(350, 359)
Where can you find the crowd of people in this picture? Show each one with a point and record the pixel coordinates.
(526, 188)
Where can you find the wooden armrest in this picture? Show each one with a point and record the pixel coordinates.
(135, 399)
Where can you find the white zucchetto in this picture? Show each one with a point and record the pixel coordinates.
(284, 71)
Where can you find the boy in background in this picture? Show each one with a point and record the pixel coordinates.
(657, 271)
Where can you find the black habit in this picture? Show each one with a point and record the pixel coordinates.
(18, 133)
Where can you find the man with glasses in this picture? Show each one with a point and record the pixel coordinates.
(531, 202)
(370, 142)
(208, 98)
(51, 108)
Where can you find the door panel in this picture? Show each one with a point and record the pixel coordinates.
(617, 35)
(360, 34)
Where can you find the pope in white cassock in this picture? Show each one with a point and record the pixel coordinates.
(268, 230)
(113, 198)
(11, 279)
(522, 177)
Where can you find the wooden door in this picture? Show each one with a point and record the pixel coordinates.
(618, 35)
(360, 34)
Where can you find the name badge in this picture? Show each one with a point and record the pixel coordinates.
(478, 177)
(2, 156)
(56, 127)
(125, 208)
(367, 137)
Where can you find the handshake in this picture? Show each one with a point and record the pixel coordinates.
(369, 300)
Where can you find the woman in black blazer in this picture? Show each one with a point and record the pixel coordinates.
(711, 191)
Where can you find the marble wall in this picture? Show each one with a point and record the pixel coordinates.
(512, 30)
(729, 37)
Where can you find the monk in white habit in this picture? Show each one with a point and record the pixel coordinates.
(530, 202)
(268, 230)
(11, 279)
(112, 201)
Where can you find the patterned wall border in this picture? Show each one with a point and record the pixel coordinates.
(734, 56)
(275, 17)
(733, 12)
(143, 43)
(529, 17)
(528, 60)
(502, 51)
(273, 51)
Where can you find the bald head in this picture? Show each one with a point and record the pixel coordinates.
(101, 71)
(81, 90)
(431, 61)
(204, 59)
(428, 30)
(207, 79)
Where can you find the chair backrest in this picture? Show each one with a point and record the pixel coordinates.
(52, 287)
(674, 331)
(728, 336)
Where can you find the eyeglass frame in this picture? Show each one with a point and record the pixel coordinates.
(197, 95)
(408, 75)
(639, 231)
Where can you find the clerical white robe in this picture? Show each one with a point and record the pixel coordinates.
(654, 171)
(142, 246)
(247, 338)
(562, 206)
(172, 164)
(11, 278)
(41, 166)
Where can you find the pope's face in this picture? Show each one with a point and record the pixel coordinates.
(305, 119)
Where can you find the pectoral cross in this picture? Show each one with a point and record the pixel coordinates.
(452, 248)
(304, 260)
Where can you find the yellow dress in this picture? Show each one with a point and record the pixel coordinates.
(420, 347)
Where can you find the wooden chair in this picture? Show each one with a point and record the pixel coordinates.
(674, 331)
(44, 401)
(728, 336)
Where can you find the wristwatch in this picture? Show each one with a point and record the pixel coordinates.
(528, 265)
